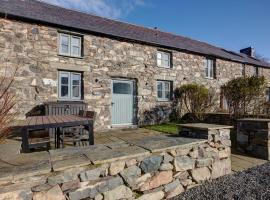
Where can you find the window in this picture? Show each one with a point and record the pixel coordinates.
(70, 45)
(163, 59)
(164, 90)
(256, 71)
(70, 86)
(122, 88)
(243, 70)
(209, 68)
(267, 94)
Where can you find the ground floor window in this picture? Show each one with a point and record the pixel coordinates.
(267, 94)
(164, 90)
(69, 85)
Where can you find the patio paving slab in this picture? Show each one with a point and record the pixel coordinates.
(161, 143)
(66, 163)
(25, 165)
(100, 157)
(62, 159)
(57, 154)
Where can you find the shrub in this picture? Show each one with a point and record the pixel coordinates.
(196, 99)
(7, 103)
(244, 95)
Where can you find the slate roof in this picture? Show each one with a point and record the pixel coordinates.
(36, 11)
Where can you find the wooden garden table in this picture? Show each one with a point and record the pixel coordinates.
(54, 121)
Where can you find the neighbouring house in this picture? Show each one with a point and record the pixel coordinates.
(124, 72)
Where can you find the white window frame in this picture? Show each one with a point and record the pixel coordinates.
(209, 64)
(162, 59)
(70, 45)
(163, 98)
(70, 86)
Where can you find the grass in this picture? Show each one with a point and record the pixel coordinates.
(170, 128)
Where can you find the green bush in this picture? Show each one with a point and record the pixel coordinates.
(195, 99)
(244, 95)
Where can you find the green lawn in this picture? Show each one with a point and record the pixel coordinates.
(170, 128)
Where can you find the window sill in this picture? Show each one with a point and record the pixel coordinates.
(164, 100)
(68, 56)
(209, 78)
(70, 100)
(164, 67)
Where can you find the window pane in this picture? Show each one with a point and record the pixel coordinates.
(209, 68)
(159, 55)
(122, 88)
(75, 51)
(64, 79)
(167, 95)
(206, 72)
(211, 71)
(75, 41)
(76, 91)
(64, 44)
(167, 86)
(64, 40)
(166, 63)
(76, 76)
(163, 90)
(76, 46)
(159, 62)
(75, 82)
(159, 94)
(159, 86)
(166, 56)
(64, 91)
(64, 49)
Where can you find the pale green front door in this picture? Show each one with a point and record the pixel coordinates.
(122, 102)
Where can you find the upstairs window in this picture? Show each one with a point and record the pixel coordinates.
(69, 85)
(209, 68)
(164, 90)
(70, 45)
(163, 59)
(256, 71)
(243, 70)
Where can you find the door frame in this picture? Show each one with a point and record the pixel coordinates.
(135, 106)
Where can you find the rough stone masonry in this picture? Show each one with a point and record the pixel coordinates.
(34, 48)
(153, 168)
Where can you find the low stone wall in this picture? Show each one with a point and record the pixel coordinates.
(151, 168)
(253, 137)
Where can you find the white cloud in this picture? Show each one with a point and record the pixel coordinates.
(107, 8)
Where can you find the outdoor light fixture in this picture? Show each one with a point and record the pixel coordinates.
(34, 84)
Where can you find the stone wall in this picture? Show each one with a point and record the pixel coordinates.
(253, 137)
(34, 49)
(152, 168)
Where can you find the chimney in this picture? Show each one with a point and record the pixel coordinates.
(248, 51)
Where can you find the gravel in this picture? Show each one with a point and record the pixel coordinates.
(253, 183)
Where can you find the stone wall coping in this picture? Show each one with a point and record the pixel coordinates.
(182, 146)
(204, 126)
(254, 120)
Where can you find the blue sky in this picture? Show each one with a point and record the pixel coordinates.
(231, 24)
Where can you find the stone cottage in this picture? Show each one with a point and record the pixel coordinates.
(124, 72)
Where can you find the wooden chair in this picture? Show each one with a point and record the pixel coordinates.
(84, 138)
(39, 139)
(72, 134)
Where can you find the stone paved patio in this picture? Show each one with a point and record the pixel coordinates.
(239, 161)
